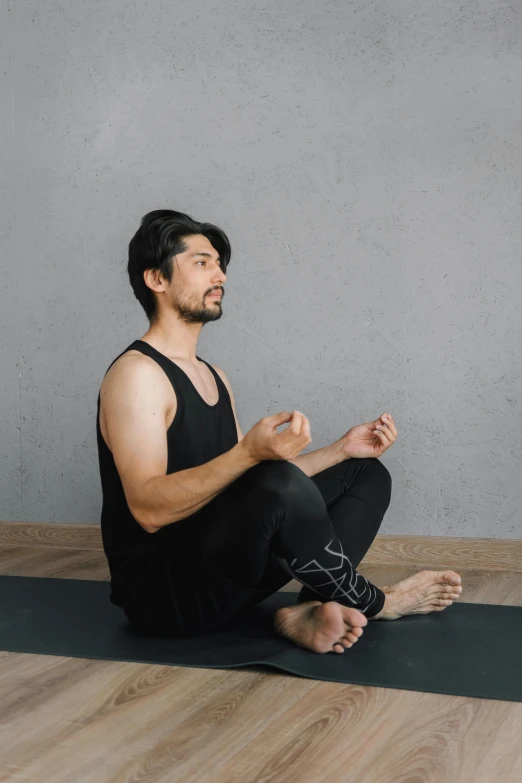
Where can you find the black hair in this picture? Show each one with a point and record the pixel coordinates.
(159, 238)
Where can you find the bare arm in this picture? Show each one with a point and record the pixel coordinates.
(136, 397)
(178, 495)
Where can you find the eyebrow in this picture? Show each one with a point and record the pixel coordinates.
(204, 254)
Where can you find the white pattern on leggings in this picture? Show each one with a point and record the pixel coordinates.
(366, 595)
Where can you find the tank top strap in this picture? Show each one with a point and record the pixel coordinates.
(214, 373)
(174, 373)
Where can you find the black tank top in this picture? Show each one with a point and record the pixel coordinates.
(199, 433)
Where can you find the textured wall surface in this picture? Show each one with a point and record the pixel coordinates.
(365, 159)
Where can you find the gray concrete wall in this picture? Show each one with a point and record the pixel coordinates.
(365, 159)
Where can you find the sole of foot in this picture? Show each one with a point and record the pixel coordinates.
(320, 627)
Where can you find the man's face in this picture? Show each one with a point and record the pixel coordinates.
(197, 276)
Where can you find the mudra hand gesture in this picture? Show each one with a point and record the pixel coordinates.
(370, 439)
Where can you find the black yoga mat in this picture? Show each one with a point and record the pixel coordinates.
(465, 650)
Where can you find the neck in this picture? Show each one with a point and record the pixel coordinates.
(175, 339)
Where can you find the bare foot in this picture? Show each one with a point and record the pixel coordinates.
(320, 627)
(424, 592)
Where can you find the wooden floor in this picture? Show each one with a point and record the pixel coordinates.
(71, 720)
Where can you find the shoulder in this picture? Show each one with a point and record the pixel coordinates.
(134, 370)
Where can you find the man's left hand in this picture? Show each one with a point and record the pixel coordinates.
(370, 439)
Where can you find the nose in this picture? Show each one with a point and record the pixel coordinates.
(220, 280)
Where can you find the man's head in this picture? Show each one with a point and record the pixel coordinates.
(199, 253)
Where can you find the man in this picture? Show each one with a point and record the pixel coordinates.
(199, 520)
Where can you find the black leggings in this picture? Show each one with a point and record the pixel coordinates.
(273, 524)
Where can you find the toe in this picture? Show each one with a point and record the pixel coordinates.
(353, 634)
(354, 617)
(452, 592)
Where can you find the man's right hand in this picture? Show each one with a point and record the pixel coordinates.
(262, 442)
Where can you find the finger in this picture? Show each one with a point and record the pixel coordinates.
(302, 420)
(295, 423)
(389, 431)
(382, 436)
(390, 423)
(300, 426)
(386, 431)
(305, 428)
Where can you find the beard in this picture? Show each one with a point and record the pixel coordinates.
(202, 314)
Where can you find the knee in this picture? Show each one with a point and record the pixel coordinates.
(285, 483)
(380, 470)
(382, 478)
(279, 476)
